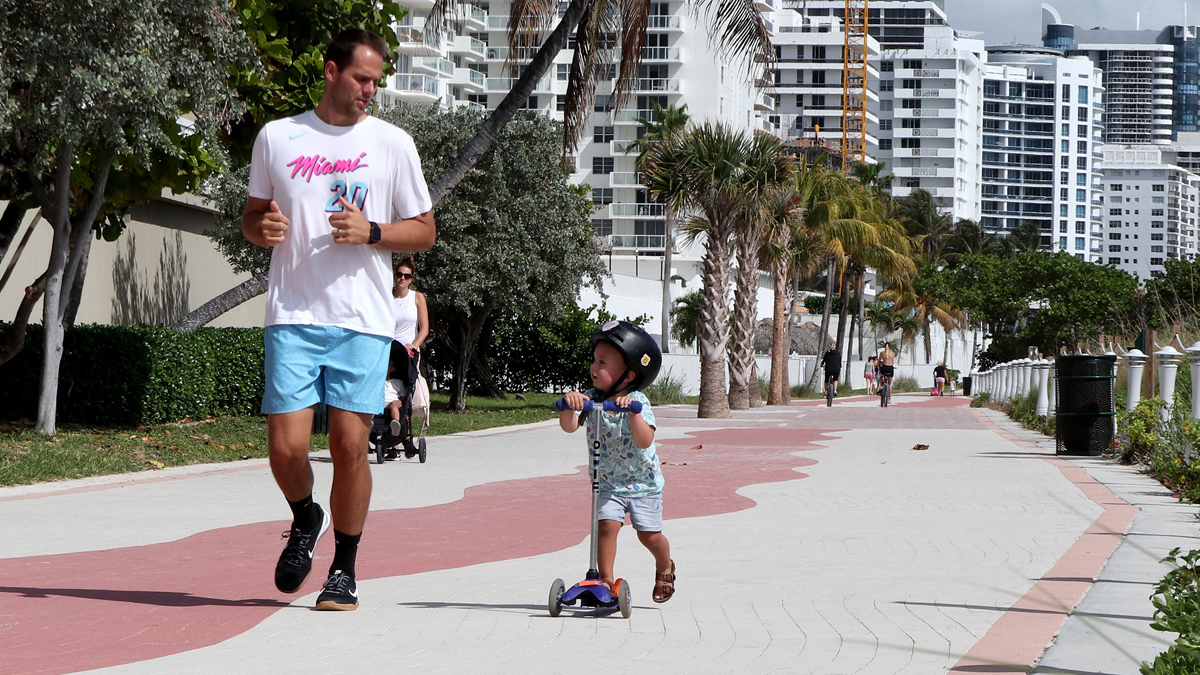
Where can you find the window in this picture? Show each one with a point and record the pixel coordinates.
(602, 196)
(911, 84)
(1081, 163)
(1079, 243)
(1080, 227)
(1158, 188)
(886, 85)
(602, 134)
(818, 77)
(1081, 147)
(1156, 224)
(1081, 179)
(910, 142)
(1064, 146)
(886, 125)
(602, 165)
(1064, 178)
(601, 227)
(1080, 211)
(1066, 93)
(1156, 236)
(1062, 242)
(1065, 162)
(1066, 112)
(1115, 236)
(1082, 132)
(560, 103)
(911, 103)
(1064, 194)
(564, 69)
(885, 144)
(1062, 226)
(1082, 115)
(1114, 261)
(887, 66)
(1114, 249)
(910, 123)
(799, 100)
(818, 53)
(1066, 130)
(1062, 210)
(1156, 212)
(1156, 261)
(1114, 212)
(1117, 187)
(912, 64)
(603, 103)
(1081, 195)
(818, 100)
(1083, 94)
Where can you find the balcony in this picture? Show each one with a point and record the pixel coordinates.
(505, 84)
(412, 88)
(635, 115)
(469, 105)
(924, 152)
(497, 22)
(765, 5)
(474, 18)
(625, 178)
(763, 102)
(637, 241)
(654, 84)
(661, 54)
(469, 48)
(433, 66)
(471, 80)
(921, 133)
(519, 55)
(658, 21)
(636, 210)
(412, 42)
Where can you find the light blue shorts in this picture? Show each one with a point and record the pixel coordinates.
(645, 513)
(341, 368)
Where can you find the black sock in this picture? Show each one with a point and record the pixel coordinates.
(344, 552)
(302, 513)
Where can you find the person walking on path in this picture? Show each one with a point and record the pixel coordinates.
(869, 374)
(412, 328)
(625, 359)
(832, 362)
(939, 378)
(333, 192)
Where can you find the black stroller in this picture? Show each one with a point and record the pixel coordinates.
(383, 440)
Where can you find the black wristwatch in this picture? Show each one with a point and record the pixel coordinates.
(376, 233)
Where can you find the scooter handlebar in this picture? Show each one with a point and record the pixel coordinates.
(635, 407)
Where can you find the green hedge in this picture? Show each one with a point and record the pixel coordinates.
(128, 375)
(815, 304)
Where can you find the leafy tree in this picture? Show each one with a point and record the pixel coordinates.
(685, 318)
(290, 39)
(1174, 296)
(514, 239)
(95, 92)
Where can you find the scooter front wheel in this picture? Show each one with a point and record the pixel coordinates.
(554, 602)
(624, 602)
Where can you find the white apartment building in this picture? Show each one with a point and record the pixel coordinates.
(808, 82)
(1042, 125)
(447, 69)
(1150, 205)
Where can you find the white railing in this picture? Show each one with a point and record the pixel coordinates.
(407, 82)
(635, 210)
(656, 84)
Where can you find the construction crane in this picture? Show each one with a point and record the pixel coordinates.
(854, 85)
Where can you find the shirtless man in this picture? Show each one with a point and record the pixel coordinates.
(887, 366)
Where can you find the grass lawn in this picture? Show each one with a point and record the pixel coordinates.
(80, 451)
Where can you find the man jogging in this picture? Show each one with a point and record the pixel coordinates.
(332, 191)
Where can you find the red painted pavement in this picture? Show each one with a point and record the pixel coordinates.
(1015, 643)
(78, 611)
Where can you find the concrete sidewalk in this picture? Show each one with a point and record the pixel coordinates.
(808, 540)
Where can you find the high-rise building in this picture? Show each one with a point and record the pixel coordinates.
(447, 69)
(1151, 77)
(928, 111)
(808, 79)
(1041, 128)
(1150, 209)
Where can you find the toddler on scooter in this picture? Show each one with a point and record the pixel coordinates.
(625, 359)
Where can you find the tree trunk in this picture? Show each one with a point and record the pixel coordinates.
(850, 337)
(756, 399)
(251, 288)
(713, 339)
(16, 336)
(843, 312)
(666, 289)
(928, 341)
(76, 295)
(780, 347)
(10, 222)
(469, 329)
(815, 380)
(741, 351)
(862, 313)
(12, 264)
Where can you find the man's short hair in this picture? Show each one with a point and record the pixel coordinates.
(341, 48)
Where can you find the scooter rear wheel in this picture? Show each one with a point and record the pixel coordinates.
(624, 602)
(554, 602)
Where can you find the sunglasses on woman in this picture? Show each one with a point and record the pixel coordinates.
(404, 275)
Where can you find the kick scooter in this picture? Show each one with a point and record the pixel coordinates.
(591, 592)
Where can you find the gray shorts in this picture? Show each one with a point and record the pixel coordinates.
(644, 512)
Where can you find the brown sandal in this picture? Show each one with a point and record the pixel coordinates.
(664, 585)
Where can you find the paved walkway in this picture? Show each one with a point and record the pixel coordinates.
(808, 540)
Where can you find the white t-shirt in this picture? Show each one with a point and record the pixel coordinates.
(304, 165)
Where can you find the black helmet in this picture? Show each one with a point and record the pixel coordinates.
(642, 354)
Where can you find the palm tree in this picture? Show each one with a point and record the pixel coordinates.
(605, 31)
(926, 222)
(704, 169)
(685, 316)
(767, 169)
(664, 123)
(927, 306)
(888, 256)
(969, 238)
(1024, 237)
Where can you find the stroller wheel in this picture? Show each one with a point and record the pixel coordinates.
(421, 450)
(379, 454)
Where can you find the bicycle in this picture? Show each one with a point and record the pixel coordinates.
(830, 393)
(885, 391)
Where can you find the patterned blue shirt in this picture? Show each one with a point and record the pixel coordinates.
(625, 469)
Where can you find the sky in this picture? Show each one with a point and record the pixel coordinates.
(1002, 21)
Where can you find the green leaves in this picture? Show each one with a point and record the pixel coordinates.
(1176, 603)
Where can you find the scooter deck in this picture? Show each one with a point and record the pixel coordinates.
(590, 594)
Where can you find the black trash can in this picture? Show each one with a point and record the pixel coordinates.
(1084, 404)
(966, 382)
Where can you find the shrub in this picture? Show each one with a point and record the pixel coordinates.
(1177, 610)
(815, 304)
(129, 375)
(981, 400)
(764, 387)
(667, 389)
(904, 383)
(804, 391)
(1140, 429)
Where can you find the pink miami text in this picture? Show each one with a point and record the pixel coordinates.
(316, 165)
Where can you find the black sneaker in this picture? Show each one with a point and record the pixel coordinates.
(295, 563)
(340, 594)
